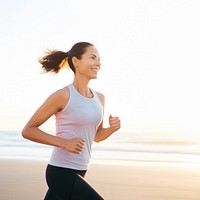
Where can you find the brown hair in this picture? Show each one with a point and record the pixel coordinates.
(52, 61)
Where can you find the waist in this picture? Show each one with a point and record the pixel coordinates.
(65, 159)
(62, 170)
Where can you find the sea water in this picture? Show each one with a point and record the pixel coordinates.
(124, 148)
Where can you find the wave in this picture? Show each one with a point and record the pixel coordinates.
(125, 150)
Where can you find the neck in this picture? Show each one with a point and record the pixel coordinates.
(83, 88)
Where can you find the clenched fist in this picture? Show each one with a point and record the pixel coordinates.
(114, 123)
(75, 145)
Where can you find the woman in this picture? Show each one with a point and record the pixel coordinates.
(79, 121)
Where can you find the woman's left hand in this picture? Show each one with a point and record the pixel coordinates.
(114, 123)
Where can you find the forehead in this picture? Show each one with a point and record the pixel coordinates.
(92, 50)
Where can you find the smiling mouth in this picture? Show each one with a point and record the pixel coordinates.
(95, 69)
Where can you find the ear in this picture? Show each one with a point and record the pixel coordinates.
(75, 61)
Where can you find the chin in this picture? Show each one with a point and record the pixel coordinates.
(94, 77)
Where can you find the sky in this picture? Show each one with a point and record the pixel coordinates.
(149, 53)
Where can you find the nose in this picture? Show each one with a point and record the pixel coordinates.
(98, 63)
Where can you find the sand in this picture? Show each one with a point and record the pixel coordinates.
(24, 180)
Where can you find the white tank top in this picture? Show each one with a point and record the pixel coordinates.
(79, 119)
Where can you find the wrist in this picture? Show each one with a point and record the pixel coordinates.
(61, 142)
(110, 129)
(113, 129)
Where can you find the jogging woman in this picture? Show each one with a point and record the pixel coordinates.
(78, 111)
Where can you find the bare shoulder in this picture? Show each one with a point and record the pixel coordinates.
(60, 97)
(63, 92)
(60, 94)
(101, 97)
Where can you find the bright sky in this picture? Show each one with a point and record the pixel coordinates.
(149, 53)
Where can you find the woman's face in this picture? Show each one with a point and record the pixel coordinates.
(88, 66)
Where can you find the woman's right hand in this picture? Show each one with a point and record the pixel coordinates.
(75, 145)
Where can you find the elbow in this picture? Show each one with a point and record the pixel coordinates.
(97, 140)
(25, 133)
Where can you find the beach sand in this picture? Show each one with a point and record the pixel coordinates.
(24, 180)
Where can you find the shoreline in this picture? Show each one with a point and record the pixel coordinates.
(25, 179)
(115, 162)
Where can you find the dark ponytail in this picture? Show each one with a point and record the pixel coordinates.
(51, 61)
(54, 60)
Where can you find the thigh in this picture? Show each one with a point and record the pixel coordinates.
(83, 191)
(60, 182)
(50, 195)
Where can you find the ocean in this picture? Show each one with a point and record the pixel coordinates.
(123, 148)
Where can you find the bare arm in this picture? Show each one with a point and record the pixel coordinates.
(54, 103)
(114, 122)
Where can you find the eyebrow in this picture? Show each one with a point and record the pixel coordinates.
(93, 54)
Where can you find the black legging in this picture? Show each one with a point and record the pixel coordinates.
(68, 184)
